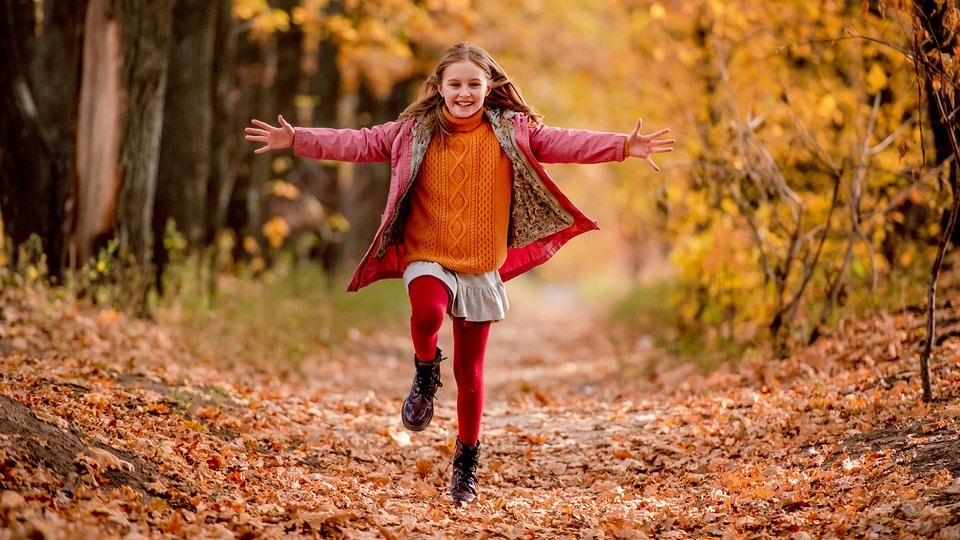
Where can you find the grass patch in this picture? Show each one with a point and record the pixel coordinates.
(648, 311)
(277, 320)
(647, 317)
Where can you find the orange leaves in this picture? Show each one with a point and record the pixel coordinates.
(821, 444)
(264, 20)
(276, 230)
(215, 462)
(157, 408)
(327, 522)
(535, 439)
(236, 478)
(423, 468)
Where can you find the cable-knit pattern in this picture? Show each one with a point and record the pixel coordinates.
(457, 163)
(460, 205)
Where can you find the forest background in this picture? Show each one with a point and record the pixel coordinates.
(813, 176)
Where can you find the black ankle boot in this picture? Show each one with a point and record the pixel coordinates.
(417, 409)
(465, 463)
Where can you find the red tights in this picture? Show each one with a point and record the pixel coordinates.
(429, 301)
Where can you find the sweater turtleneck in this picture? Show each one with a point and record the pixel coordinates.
(460, 203)
(462, 125)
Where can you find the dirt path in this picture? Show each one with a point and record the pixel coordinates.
(111, 429)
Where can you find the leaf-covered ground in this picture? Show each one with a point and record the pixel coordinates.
(112, 428)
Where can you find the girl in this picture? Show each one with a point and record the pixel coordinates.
(469, 207)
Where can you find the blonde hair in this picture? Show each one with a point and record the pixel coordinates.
(503, 93)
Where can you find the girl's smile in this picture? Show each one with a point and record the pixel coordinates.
(464, 87)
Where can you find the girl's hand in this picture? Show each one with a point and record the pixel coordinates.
(644, 146)
(276, 138)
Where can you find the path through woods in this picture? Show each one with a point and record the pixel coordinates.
(110, 427)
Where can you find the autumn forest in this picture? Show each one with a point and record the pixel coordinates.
(761, 341)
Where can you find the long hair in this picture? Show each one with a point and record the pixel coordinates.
(503, 93)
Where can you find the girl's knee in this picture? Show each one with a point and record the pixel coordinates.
(427, 316)
(428, 302)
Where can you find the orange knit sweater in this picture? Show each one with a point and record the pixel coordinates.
(460, 204)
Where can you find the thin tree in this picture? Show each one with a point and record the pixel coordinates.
(935, 48)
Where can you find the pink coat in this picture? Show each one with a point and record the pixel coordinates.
(542, 218)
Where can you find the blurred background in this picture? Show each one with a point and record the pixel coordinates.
(813, 176)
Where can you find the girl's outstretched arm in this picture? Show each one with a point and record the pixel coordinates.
(644, 146)
(275, 138)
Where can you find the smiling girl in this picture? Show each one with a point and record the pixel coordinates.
(469, 207)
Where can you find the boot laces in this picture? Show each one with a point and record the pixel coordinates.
(466, 460)
(428, 379)
(465, 472)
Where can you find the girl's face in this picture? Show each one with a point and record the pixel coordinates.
(464, 87)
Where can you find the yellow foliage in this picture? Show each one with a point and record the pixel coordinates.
(718, 7)
(250, 245)
(657, 11)
(338, 222)
(827, 108)
(285, 190)
(876, 79)
(774, 101)
(263, 19)
(728, 206)
(276, 230)
(248, 9)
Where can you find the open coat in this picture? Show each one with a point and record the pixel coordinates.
(542, 218)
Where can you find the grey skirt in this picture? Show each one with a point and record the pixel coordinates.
(474, 297)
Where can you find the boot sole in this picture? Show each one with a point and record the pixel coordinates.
(414, 427)
(464, 499)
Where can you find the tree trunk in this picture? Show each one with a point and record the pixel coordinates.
(59, 56)
(39, 89)
(146, 26)
(22, 152)
(183, 171)
(228, 122)
(98, 132)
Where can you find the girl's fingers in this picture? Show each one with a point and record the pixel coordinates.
(652, 164)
